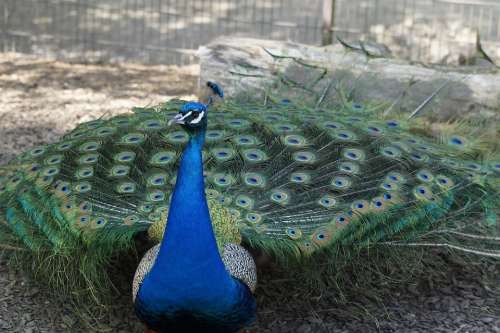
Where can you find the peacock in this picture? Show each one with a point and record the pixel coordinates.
(298, 172)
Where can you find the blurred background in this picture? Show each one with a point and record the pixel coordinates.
(170, 31)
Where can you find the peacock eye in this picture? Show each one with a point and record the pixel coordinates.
(195, 117)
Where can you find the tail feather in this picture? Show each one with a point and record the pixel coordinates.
(303, 166)
(22, 228)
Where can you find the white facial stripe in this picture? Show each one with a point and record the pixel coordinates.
(199, 118)
(186, 115)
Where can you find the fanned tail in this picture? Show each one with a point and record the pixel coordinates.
(306, 166)
(406, 183)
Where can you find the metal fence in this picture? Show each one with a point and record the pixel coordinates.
(169, 31)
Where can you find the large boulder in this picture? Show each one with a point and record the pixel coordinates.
(240, 64)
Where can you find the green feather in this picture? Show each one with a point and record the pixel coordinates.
(299, 171)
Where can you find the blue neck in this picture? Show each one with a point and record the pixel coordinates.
(188, 288)
(188, 252)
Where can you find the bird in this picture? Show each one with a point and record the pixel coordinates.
(220, 301)
(295, 174)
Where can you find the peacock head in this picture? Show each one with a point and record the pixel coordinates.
(192, 116)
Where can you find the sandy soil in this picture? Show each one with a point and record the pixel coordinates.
(41, 99)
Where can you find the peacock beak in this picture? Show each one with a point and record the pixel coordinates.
(176, 120)
(179, 119)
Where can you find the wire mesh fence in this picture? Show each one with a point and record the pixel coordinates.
(170, 31)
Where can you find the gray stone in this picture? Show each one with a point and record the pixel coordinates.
(243, 64)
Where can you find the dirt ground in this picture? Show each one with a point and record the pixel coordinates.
(41, 99)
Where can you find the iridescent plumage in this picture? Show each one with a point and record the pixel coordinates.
(297, 172)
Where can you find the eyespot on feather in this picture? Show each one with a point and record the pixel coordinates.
(423, 192)
(254, 179)
(254, 155)
(360, 207)
(82, 187)
(54, 159)
(341, 183)
(444, 181)
(98, 222)
(307, 247)
(284, 128)
(222, 180)
(253, 218)
(327, 201)
(300, 178)
(133, 138)
(245, 140)
(211, 193)
(64, 146)
(222, 154)
(37, 151)
(280, 197)
(131, 220)
(177, 137)
(395, 177)
(214, 135)
(349, 168)
(353, 154)
(62, 188)
(157, 179)
(124, 157)
(425, 176)
(125, 188)
(83, 221)
(391, 152)
(322, 236)
(344, 135)
(378, 204)
(244, 201)
(306, 157)
(84, 172)
(293, 233)
(85, 207)
(341, 219)
(88, 158)
(155, 196)
(163, 158)
(294, 141)
(89, 146)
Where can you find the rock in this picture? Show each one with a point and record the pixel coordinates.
(243, 64)
(487, 320)
(69, 321)
(32, 292)
(304, 328)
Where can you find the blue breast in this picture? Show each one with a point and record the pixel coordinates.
(188, 289)
(206, 312)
